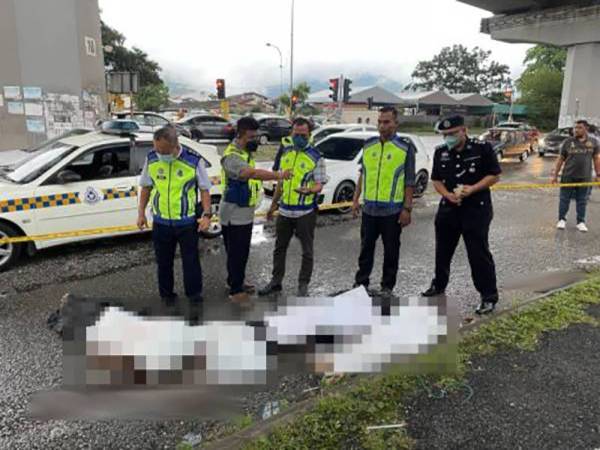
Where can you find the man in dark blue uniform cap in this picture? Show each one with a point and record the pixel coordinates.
(463, 172)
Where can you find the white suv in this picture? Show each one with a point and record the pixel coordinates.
(81, 182)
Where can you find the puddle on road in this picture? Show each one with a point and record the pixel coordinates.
(544, 282)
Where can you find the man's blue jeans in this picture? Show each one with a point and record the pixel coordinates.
(581, 195)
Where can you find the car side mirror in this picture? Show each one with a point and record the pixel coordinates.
(67, 176)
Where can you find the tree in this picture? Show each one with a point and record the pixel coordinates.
(546, 56)
(152, 97)
(123, 59)
(459, 70)
(302, 91)
(541, 84)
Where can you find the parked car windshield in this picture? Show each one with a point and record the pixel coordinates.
(341, 149)
(52, 142)
(39, 162)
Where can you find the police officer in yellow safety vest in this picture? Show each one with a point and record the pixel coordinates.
(242, 185)
(297, 201)
(171, 179)
(387, 180)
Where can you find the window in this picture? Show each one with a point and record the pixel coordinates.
(218, 120)
(324, 133)
(102, 164)
(283, 124)
(157, 121)
(341, 149)
(90, 46)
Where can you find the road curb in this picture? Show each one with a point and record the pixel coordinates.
(236, 440)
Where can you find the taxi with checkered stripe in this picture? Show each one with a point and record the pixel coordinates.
(81, 182)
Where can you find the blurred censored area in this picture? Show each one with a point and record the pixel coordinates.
(107, 346)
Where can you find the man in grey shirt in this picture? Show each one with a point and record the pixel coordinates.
(579, 155)
(242, 182)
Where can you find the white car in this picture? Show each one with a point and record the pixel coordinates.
(343, 152)
(81, 182)
(327, 130)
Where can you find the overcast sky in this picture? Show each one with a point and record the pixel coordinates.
(197, 41)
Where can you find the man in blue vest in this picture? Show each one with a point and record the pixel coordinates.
(387, 180)
(171, 179)
(242, 183)
(297, 202)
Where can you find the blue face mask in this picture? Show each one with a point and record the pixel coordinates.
(451, 141)
(300, 141)
(166, 158)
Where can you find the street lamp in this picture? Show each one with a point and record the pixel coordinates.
(292, 61)
(280, 66)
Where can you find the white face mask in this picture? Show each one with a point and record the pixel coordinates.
(166, 158)
(451, 141)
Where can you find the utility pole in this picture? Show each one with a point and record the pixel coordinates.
(292, 61)
(340, 98)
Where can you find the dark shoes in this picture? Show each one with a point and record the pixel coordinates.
(488, 305)
(270, 289)
(433, 291)
(302, 290)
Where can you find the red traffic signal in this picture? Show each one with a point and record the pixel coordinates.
(334, 87)
(221, 89)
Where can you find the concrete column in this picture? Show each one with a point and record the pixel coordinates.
(581, 89)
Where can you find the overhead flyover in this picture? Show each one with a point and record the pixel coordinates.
(573, 24)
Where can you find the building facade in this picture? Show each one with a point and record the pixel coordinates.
(52, 71)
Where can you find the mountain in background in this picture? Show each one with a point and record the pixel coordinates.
(181, 89)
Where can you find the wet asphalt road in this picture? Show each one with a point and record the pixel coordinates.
(523, 240)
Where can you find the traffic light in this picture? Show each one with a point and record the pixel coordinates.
(347, 90)
(294, 101)
(370, 103)
(334, 87)
(221, 89)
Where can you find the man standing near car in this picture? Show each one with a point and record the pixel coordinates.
(464, 170)
(387, 181)
(296, 200)
(242, 183)
(578, 156)
(170, 182)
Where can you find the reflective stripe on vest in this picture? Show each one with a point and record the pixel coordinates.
(174, 195)
(302, 164)
(243, 193)
(383, 167)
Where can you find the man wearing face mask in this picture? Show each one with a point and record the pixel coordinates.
(296, 200)
(171, 179)
(242, 183)
(464, 170)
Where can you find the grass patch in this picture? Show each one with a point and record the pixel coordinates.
(341, 420)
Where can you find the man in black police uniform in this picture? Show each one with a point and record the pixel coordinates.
(463, 172)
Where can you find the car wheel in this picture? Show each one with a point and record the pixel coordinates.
(541, 153)
(196, 135)
(523, 157)
(215, 230)
(9, 253)
(344, 193)
(264, 139)
(421, 183)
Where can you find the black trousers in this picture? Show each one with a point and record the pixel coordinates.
(389, 230)
(165, 239)
(237, 239)
(474, 227)
(304, 229)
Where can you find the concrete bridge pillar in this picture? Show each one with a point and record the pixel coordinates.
(573, 24)
(581, 89)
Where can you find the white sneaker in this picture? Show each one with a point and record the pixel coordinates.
(561, 225)
(581, 227)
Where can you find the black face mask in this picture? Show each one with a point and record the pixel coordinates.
(252, 146)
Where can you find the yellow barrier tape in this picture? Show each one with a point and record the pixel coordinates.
(344, 205)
